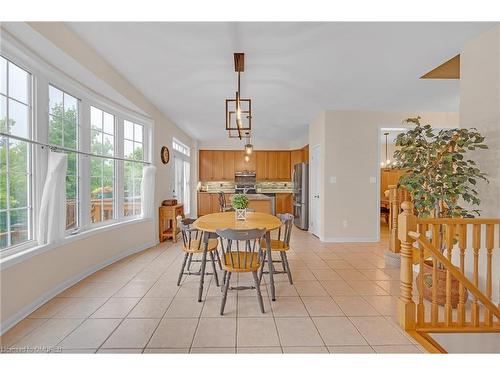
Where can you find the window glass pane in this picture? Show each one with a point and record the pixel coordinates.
(128, 149)
(70, 103)
(3, 174)
(128, 130)
(108, 142)
(138, 154)
(109, 123)
(18, 226)
(4, 230)
(96, 142)
(18, 83)
(18, 190)
(3, 114)
(96, 118)
(55, 130)
(3, 76)
(55, 101)
(18, 157)
(18, 119)
(138, 133)
(71, 202)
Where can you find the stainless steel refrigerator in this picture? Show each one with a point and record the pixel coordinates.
(301, 195)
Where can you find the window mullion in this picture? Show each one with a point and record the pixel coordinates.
(84, 163)
(119, 168)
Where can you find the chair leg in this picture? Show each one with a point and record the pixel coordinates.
(189, 261)
(218, 259)
(259, 294)
(216, 276)
(223, 281)
(224, 296)
(261, 272)
(202, 269)
(288, 271)
(182, 269)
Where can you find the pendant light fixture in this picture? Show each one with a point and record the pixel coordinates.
(248, 146)
(238, 110)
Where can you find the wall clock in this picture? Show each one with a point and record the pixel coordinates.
(165, 155)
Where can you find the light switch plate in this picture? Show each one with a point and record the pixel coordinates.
(373, 180)
(333, 179)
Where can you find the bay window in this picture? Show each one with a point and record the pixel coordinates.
(40, 107)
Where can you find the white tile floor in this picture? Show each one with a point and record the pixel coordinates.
(343, 300)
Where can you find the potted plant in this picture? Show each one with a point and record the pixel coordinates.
(441, 179)
(240, 204)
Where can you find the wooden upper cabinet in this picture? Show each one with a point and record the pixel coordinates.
(295, 158)
(284, 172)
(305, 154)
(239, 161)
(272, 165)
(205, 165)
(228, 172)
(217, 165)
(261, 165)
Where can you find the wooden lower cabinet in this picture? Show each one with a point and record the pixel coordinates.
(208, 203)
(284, 203)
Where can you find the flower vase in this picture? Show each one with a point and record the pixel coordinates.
(241, 213)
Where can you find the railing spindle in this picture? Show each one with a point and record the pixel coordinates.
(476, 245)
(434, 305)
(462, 244)
(450, 235)
(420, 306)
(488, 317)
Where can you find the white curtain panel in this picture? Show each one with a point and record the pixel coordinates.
(148, 191)
(52, 217)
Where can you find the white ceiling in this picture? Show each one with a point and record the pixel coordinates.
(292, 70)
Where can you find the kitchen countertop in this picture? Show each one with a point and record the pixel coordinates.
(266, 191)
(252, 197)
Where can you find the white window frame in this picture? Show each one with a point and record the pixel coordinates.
(143, 143)
(182, 152)
(30, 173)
(43, 74)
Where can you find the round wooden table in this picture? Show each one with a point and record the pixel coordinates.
(227, 220)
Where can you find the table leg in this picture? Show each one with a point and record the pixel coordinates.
(270, 263)
(203, 264)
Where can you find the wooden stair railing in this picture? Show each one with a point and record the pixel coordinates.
(440, 243)
(397, 195)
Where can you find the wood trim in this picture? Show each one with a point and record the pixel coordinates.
(447, 70)
(427, 342)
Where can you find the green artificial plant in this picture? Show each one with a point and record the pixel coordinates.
(440, 174)
(240, 201)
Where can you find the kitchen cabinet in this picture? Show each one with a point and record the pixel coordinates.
(240, 165)
(284, 203)
(296, 157)
(205, 165)
(272, 165)
(284, 165)
(261, 165)
(204, 204)
(228, 166)
(217, 165)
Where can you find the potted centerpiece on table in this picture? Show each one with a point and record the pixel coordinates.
(441, 178)
(240, 204)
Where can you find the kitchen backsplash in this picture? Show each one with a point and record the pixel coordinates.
(229, 185)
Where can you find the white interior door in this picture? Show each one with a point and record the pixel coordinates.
(314, 184)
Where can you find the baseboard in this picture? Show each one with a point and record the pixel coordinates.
(348, 239)
(27, 310)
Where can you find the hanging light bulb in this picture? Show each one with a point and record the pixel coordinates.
(247, 158)
(248, 145)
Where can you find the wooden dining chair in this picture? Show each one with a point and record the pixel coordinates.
(281, 245)
(241, 252)
(192, 244)
(223, 207)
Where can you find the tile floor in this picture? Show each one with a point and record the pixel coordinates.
(343, 300)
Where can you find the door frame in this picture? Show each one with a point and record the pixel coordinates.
(313, 150)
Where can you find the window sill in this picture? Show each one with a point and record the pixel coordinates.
(22, 255)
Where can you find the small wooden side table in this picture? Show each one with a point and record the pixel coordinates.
(168, 221)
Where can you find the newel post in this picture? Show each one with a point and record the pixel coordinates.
(407, 222)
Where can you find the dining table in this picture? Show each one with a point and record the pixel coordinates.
(209, 224)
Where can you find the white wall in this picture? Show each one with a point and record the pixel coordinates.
(350, 139)
(480, 108)
(26, 284)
